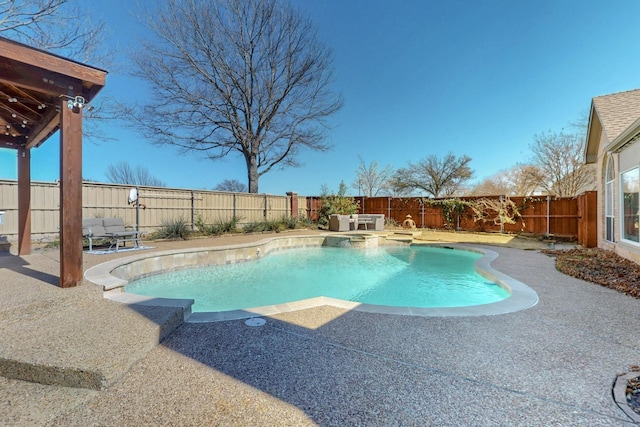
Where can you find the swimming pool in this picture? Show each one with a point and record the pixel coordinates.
(113, 275)
(396, 276)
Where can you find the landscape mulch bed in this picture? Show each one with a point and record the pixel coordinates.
(609, 270)
(599, 266)
(633, 391)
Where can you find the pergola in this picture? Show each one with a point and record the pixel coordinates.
(41, 93)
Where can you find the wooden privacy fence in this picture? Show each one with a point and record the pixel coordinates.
(157, 205)
(567, 217)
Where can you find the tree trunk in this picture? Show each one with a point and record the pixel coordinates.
(252, 173)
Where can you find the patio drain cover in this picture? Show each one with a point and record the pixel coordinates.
(255, 321)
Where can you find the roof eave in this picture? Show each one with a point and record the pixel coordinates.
(631, 134)
(594, 131)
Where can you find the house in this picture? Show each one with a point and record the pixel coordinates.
(613, 146)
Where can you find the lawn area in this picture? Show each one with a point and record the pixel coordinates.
(508, 240)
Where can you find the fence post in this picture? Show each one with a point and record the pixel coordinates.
(266, 206)
(234, 207)
(548, 214)
(311, 202)
(422, 209)
(293, 203)
(193, 212)
(389, 207)
(501, 223)
(137, 208)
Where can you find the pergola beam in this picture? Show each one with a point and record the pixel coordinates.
(52, 63)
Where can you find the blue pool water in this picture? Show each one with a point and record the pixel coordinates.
(410, 276)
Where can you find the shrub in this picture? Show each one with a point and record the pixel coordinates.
(217, 228)
(177, 228)
(304, 222)
(336, 204)
(390, 222)
(254, 227)
(277, 225)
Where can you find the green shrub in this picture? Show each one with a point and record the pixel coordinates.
(336, 204)
(217, 228)
(290, 223)
(254, 227)
(177, 228)
(56, 244)
(390, 222)
(304, 222)
(277, 225)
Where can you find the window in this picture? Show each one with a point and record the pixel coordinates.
(630, 181)
(609, 201)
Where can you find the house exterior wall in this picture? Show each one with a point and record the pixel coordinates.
(623, 160)
(628, 158)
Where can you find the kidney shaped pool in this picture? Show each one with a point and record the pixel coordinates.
(402, 276)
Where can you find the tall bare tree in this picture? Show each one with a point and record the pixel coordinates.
(494, 185)
(438, 177)
(67, 29)
(236, 76)
(232, 185)
(124, 173)
(370, 180)
(61, 26)
(561, 168)
(524, 179)
(519, 180)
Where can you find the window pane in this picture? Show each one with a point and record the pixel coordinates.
(608, 199)
(610, 175)
(609, 229)
(630, 188)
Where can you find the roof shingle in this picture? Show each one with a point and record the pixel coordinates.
(617, 111)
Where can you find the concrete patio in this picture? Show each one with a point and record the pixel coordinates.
(552, 364)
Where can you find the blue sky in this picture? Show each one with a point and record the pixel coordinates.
(418, 77)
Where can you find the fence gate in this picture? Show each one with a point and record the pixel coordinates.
(587, 219)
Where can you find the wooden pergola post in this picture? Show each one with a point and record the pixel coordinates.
(38, 88)
(71, 188)
(24, 201)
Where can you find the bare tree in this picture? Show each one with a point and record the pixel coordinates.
(236, 76)
(63, 27)
(232, 185)
(499, 211)
(55, 25)
(438, 177)
(124, 173)
(524, 179)
(495, 185)
(561, 169)
(519, 180)
(371, 181)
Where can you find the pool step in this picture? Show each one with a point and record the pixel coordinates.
(84, 343)
(183, 305)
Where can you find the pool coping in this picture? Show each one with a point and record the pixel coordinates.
(522, 296)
